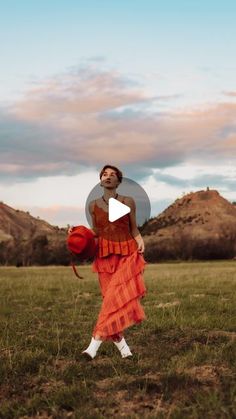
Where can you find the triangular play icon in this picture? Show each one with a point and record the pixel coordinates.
(116, 209)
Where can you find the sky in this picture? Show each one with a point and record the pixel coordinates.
(146, 85)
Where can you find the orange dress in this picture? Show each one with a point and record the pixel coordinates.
(120, 270)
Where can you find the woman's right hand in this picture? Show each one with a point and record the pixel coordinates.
(70, 229)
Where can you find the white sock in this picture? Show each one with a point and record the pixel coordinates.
(123, 348)
(93, 347)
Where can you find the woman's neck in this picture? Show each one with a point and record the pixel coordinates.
(109, 193)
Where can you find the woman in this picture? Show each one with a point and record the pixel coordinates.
(120, 264)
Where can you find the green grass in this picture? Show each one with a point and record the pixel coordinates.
(184, 352)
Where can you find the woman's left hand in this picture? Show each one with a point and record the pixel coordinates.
(69, 231)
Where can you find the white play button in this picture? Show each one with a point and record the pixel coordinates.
(116, 209)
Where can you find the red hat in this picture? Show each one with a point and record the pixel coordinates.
(81, 242)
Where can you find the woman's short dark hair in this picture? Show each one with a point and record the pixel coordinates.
(119, 174)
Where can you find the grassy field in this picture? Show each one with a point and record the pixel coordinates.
(184, 352)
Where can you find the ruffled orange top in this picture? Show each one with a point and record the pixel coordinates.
(113, 237)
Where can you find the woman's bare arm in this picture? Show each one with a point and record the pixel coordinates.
(91, 212)
(133, 225)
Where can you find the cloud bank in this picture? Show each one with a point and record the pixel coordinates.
(85, 118)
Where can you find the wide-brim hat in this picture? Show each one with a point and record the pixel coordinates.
(81, 242)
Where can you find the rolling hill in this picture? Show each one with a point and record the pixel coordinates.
(199, 225)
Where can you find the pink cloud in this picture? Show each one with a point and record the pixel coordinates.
(232, 94)
(74, 95)
(90, 118)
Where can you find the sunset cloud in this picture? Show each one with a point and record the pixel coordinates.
(231, 94)
(86, 118)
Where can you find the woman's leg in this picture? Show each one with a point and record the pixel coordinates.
(117, 337)
(97, 337)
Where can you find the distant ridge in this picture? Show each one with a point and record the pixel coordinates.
(201, 225)
(26, 240)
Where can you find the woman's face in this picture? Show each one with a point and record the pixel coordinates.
(109, 179)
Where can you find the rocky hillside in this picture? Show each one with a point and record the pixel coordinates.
(199, 225)
(26, 240)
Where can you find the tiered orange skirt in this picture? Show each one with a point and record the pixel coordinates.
(122, 286)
